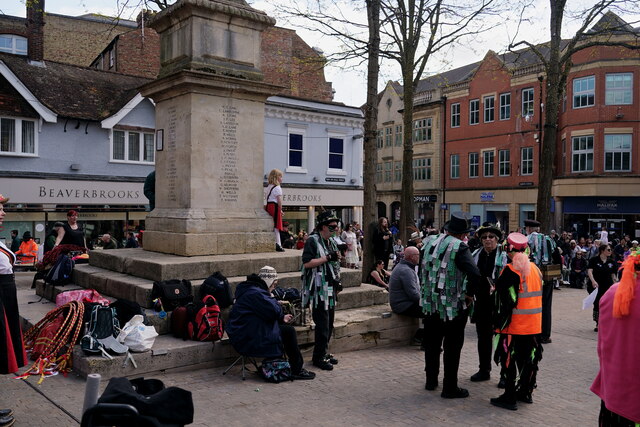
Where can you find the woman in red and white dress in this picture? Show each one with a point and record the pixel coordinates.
(12, 354)
(273, 194)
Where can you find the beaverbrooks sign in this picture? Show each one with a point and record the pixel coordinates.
(56, 191)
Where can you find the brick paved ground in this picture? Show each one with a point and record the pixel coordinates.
(383, 386)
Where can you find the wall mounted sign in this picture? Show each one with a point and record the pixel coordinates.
(487, 196)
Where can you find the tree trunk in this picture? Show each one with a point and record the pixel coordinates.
(406, 191)
(369, 214)
(553, 98)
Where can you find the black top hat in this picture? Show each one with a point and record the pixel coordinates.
(326, 217)
(487, 227)
(26, 235)
(531, 223)
(458, 224)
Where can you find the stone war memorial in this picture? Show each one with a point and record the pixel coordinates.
(209, 216)
(210, 128)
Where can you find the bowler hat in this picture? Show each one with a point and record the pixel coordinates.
(458, 224)
(487, 227)
(531, 223)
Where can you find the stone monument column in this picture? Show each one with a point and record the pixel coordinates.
(209, 131)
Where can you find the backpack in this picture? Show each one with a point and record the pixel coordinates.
(60, 273)
(207, 323)
(101, 332)
(172, 293)
(180, 320)
(276, 370)
(217, 286)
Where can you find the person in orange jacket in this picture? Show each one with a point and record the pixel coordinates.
(28, 252)
(518, 320)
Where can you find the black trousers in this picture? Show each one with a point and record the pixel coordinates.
(415, 310)
(547, 298)
(291, 349)
(520, 362)
(447, 334)
(323, 320)
(12, 355)
(484, 329)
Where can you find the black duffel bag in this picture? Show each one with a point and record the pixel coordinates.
(172, 293)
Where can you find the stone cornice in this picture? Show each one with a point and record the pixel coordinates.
(302, 115)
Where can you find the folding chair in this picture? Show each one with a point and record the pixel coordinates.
(244, 360)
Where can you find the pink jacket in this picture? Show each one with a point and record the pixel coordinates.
(618, 382)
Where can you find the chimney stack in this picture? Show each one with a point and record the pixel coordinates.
(35, 29)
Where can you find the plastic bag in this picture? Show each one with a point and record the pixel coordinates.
(590, 299)
(137, 336)
(82, 295)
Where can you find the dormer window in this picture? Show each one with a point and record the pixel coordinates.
(10, 43)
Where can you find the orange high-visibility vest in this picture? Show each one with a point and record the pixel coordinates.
(526, 318)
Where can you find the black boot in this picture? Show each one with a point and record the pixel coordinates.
(504, 401)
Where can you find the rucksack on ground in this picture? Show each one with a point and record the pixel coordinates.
(180, 319)
(276, 371)
(173, 293)
(60, 273)
(217, 286)
(100, 336)
(207, 324)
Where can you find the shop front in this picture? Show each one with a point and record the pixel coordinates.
(588, 215)
(104, 206)
(424, 210)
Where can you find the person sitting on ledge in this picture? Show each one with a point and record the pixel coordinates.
(380, 276)
(258, 327)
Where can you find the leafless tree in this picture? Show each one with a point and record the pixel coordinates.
(557, 64)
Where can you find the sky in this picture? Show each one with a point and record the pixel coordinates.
(349, 80)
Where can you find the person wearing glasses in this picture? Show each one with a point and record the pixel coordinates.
(602, 273)
(490, 259)
(321, 284)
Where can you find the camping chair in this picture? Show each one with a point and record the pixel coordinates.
(244, 359)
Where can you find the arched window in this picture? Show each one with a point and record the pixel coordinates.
(11, 43)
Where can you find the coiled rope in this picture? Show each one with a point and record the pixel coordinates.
(57, 353)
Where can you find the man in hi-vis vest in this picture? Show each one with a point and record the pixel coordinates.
(518, 320)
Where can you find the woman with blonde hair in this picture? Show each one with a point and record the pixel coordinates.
(274, 204)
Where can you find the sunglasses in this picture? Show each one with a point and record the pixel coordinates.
(332, 227)
(488, 236)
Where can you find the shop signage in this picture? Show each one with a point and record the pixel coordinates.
(487, 196)
(607, 205)
(74, 192)
(429, 198)
(334, 179)
(325, 197)
(444, 206)
(526, 184)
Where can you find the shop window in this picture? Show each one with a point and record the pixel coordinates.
(504, 163)
(398, 142)
(489, 108)
(132, 147)
(505, 106)
(582, 154)
(527, 102)
(474, 165)
(487, 163)
(584, 92)
(17, 136)
(474, 111)
(619, 89)
(10, 43)
(397, 171)
(422, 130)
(422, 169)
(526, 161)
(455, 166)
(336, 154)
(455, 115)
(617, 152)
(387, 171)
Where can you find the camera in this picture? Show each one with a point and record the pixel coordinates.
(333, 256)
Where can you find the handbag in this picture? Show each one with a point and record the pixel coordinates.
(172, 293)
